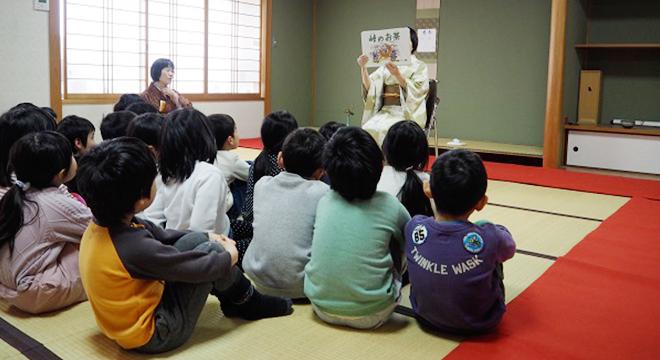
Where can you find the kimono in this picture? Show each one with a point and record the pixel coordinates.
(377, 118)
(153, 96)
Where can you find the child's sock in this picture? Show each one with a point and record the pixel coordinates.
(244, 301)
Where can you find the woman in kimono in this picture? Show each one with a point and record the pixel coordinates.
(159, 94)
(394, 93)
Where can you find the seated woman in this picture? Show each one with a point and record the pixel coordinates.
(158, 94)
(393, 93)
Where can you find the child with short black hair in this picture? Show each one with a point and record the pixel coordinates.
(147, 127)
(330, 128)
(281, 245)
(406, 151)
(353, 277)
(114, 124)
(125, 101)
(41, 226)
(141, 107)
(455, 266)
(192, 193)
(80, 133)
(147, 286)
(235, 170)
(274, 129)
(16, 122)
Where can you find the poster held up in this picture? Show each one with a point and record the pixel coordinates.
(382, 46)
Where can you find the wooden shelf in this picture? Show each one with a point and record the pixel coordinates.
(621, 46)
(615, 129)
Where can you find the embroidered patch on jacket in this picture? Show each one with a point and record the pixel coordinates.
(473, 242)
(419, 234)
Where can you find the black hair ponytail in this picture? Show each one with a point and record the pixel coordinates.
(406, 149)
(35, 159)
(276, 126)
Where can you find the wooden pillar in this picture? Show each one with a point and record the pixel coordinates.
(553, 137)
(54, 57)
(266, 43)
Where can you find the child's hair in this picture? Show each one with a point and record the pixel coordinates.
(458, 182)
(75, 127)
(50, 111)
(18, 121)
(406, 149)
(147, 127)
(354, 163)
(141, 107)
(302, 152)
(125, 101)
(35, 159)
(223, 127)
(274, 129)
(114, 124)
(330, 128)
(185, 139)
(113, 176)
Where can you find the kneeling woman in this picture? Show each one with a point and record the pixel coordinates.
(394, 93)
(159, 94)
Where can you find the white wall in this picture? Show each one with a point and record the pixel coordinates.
(25, 77)
(23, 55)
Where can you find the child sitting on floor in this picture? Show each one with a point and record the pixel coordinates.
(80, 133)
(352, 278)
(146, 285)
(406, 151)
(455, 266)
(192, 192)
(147, 127)
(41, 226)
(234, 169)
(276, 258)
(274, 129)
(115, 123)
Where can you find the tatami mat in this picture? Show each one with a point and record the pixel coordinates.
(72, 334)
(247, 154)
(539, 232)
(568, 202)
(7, 352)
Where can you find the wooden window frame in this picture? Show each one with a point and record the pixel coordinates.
(59, 96)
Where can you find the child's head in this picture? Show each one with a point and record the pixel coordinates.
(224, 130)
(125, 101)
(79, 131)
(39, 160)
(185, 139)
(330, 128)
(116, 178)
(141, 107)
(114, 124)
(406, 149)
(354, 163)
(147, 127)
(274, 129)
(50, 111)
(302, 153)
(18, 121)
(458, 183)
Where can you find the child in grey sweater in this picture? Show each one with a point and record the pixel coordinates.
(284, 214)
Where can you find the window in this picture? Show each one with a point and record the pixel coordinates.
(108, 46)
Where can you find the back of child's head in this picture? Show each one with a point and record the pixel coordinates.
(458, 182)
(302, 152)
(50, 111)
(125, 101)
(114, 124)
(141, 107)
(354, 163)
(274, 129)
(223, 127)
(330, 128)
(147, 127)
(75, 127)
(35, 159)
(113, 176)
(406, 148)
(18, 121)
(185, 139)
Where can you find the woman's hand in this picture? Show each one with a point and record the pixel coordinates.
(362, 60)
(394, 70)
